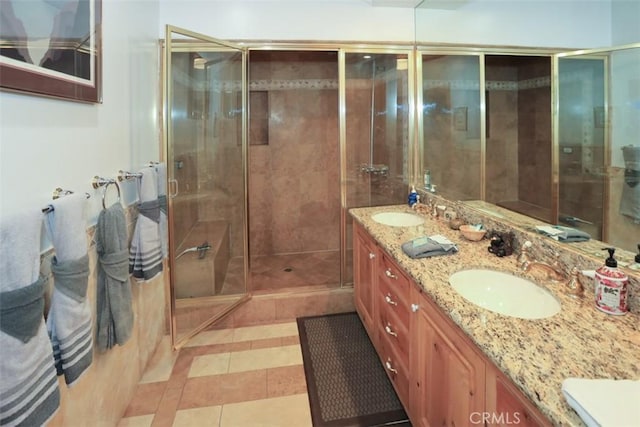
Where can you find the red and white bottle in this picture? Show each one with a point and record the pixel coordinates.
(611, 287)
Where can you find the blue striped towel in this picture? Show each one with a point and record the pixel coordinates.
(69, 322)
(29, 392)
(145, 253)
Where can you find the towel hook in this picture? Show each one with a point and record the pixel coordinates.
(57, 193)
(105, 182)
(122, 175)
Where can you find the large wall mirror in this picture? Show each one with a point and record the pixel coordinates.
(554, 136)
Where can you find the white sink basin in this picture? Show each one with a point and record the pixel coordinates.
(398, 219)
(505, 293)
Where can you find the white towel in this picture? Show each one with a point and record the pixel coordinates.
(69, 321)
(161, 170)
(604, 402)
(145, 254)
(29, 393)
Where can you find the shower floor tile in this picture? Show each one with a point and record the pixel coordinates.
(278, 272)
(294, 270)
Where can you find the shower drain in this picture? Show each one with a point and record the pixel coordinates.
(288, 269)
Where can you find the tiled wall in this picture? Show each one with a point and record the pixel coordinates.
(294, 187)
(101, 396)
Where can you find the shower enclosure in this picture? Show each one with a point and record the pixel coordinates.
(267, 150)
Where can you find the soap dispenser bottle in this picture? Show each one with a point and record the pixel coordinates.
(611, 287)
(413, 197)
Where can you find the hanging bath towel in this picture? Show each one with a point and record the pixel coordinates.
(29, 394)
(630, 201)
(69, 320)
(145, 255)
(114, 313)
(161, 170)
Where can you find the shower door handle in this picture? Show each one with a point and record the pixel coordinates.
(175, 187)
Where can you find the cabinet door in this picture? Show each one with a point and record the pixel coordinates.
(364, 277)
(507, 406)
(447, 374)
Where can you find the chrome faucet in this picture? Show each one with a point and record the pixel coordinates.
(527, 263)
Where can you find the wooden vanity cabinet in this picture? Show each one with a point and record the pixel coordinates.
(365, 257)
(447, 373)
(439, 374)
(509, 404)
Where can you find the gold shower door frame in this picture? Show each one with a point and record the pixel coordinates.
(188, 41)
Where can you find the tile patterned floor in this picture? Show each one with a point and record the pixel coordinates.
(249, 376)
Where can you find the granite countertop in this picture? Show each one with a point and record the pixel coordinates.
(537, 355)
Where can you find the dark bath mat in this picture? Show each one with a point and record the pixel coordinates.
(346, 381)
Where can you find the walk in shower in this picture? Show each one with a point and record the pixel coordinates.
(267, 150)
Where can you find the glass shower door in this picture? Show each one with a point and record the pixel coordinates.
(377, 130)
(205, 154)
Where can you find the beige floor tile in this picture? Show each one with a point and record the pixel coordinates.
(209, 364)
(250, 333)
(284, 411)
(202, 417)
(265, 358)
(140, 421)
(161, 364)
(215, 336)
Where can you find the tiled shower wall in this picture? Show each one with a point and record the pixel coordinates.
(294, 179)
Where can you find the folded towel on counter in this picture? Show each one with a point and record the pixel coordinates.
(161, 170)
(29, 388)
(69, 320)
(114, 312)
(563, 234)
(424, 247)
(145, 254)
(604, 402)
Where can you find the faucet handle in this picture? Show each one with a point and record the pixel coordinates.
(523, 258)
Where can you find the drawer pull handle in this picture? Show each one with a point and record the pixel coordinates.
(389, 301)
(390, 367)
(372, 255)
(389, 331)
(415, 307)
(389, 274)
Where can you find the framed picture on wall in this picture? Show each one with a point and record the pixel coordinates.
(51, 48)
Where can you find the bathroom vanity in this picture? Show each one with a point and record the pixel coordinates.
(454, 363)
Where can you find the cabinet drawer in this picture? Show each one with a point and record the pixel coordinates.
(396, 368)
(390, 299)
(390, 273)
(396, 333)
